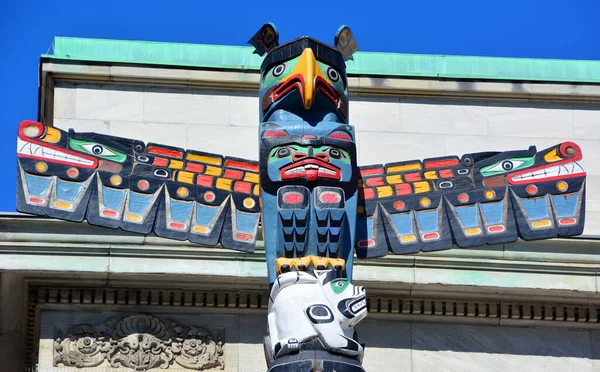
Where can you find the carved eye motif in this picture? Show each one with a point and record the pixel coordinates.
(333, 75)
(283, 152)
(279, 70)
(335, 153)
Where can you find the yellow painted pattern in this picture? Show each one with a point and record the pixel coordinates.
(361, 184)
(213, 171)
(384, 191)
(249, 203)
(431, 175)
(251, 177)
(176, 164)
(542, 223)
(404, 168)
(308, 262)
(256, 190)
(552, 156)
(394, 179)
(182, 192)
(562, 186)
(116, 180)
(421, 187)
(308, 67)
(424, 202)
(63, 205)
(224, 184)
(52, 135)
(40, 166)
(185, 177)
(201, 229)
(473, 231)
(489, 194)
(408, 238)
(133, 218)
(204, 159)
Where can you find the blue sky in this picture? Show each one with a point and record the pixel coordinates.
(508, 28)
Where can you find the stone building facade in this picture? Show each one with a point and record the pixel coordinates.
(74, 297)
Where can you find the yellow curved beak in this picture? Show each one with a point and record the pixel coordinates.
(308, 67)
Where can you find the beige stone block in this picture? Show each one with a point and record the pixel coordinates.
(83, 125)
(530, 120)
(459, 145)
(109, 102)
(64, 101)
(163, 133)
(592, 224)
(240, 142)
(375, 114)
(186, 106)
(243, 109)
(388, 345)
(252, 329)
(441, 347)
(586, 122)
(374, 148)
(443, 117)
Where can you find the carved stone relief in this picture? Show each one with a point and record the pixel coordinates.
(139, 342)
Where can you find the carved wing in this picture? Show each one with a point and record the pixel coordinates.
(480, 198)
(123, 183)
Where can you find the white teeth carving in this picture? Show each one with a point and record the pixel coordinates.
(558, 170)
(359, 305)
(28, 148)
(302, 169)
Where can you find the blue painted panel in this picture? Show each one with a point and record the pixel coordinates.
(37, 185)
(181, 210)
(468, 215)
(403, 223)
(113, 197)
(493, 211)
(536, 208)
(245, 221)
(205, 214)
(428, 221)
(138, 202)
(68, 190)
(565, 205)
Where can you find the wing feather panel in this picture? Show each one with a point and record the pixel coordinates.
(477, 199)
(122, 183)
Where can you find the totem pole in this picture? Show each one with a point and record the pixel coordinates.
(317, 206)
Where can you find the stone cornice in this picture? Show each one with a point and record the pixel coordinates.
(568, 268)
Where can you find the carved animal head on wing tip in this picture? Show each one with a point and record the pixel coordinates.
(305, 77)
(349, 300)
(562, 161)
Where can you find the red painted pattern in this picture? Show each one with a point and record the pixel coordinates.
(446, 173)
(241, 165)
(243, 236)
(374, 181)
(330, 197)
(293, 197)
(177, 225)
(441, 163)
(403, 189)
(371, 172)
(166, 152)
(366, 243)
(160, 162)
(567, 221)
(413, 177)
(243, 187)
(233, 174)
(274, 133)
(366, 194)
(204, 180)
(431, 236)
(340, 135)
(193, 167)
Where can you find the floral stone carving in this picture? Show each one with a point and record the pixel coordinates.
(139, 342)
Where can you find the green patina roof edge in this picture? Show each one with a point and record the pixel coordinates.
(365, 63)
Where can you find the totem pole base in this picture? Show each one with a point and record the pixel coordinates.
(315, 360)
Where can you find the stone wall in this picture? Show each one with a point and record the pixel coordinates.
(388, 129)
(391, 345)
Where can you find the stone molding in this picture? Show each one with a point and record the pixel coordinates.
(140, 342)
(363, 85)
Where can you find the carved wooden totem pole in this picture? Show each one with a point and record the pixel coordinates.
(317, 206)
